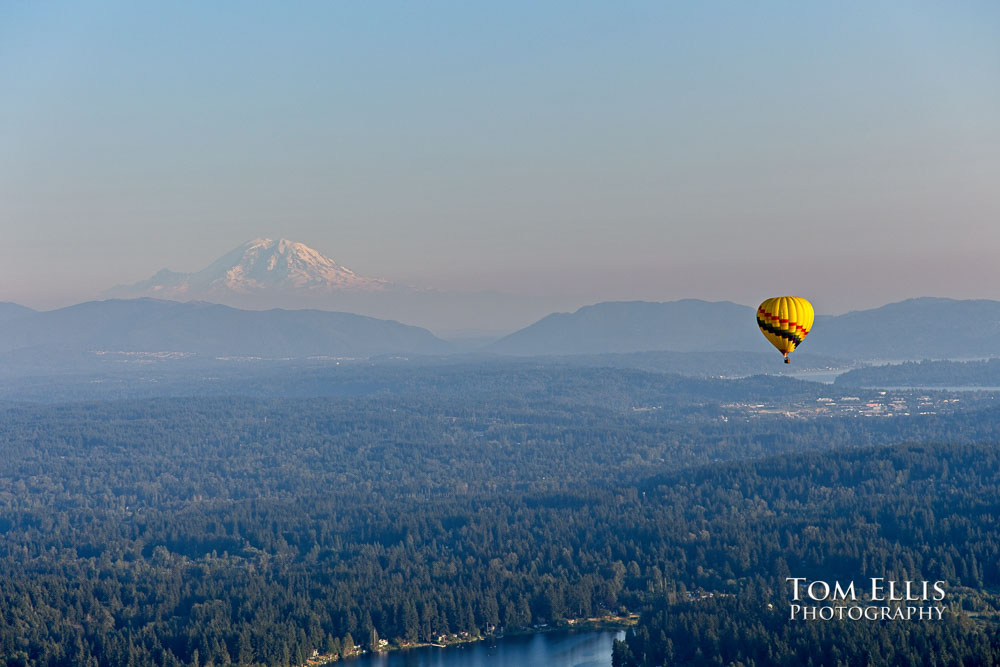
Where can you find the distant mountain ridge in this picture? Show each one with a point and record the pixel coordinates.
(687, 325)
(12, 311)
(913, 329)
(198, 328)
(724, 332)
(921, 328)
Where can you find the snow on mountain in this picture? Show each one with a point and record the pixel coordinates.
(263, 273)
(257, 266)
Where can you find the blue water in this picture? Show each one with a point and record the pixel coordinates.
(962, 387)
(549, 649)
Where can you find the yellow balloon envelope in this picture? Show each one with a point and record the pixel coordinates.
(785, 321)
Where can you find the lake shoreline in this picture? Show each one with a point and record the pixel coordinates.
(581, 625)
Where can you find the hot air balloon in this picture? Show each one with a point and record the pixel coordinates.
(785, 321)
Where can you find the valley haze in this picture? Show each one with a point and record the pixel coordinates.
(712, 336)
(279, 300)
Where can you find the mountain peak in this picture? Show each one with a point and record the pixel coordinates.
(259, 266)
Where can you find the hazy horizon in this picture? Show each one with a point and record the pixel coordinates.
(569, 152)
(557, 302)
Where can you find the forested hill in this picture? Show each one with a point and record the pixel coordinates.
(236, 530)
(984, 373)
(528, 379)
(637, 326)
(148, 329)
(912, 512)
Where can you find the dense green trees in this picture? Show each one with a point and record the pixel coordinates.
(909, 512)
(984, 373)
(232, 530)
(741, 630)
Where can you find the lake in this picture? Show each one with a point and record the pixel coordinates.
(957, 387)
(549, 649)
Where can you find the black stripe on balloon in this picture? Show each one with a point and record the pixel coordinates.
(778, 332)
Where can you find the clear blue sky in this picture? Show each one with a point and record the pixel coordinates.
(845, 151)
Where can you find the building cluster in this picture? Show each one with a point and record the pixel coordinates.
(874, 404)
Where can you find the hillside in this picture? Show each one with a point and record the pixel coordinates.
(913, 329)
(151, 326)
(13, 311)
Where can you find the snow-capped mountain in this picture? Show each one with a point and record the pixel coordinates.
(263, 274)
(259, 267)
